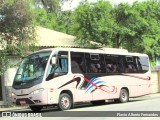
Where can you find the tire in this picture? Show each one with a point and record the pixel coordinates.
(124, 96)
(36, 108)
(99, 102)
(65, 102)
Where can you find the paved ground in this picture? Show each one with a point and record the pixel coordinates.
(26, 107)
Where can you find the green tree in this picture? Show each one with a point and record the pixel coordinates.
(137, 27)
(93, 21)
(65, 22)
(44, 19)
(149, 31)
(62, 23)
(123, 14)
(49, 14)
(17, 33)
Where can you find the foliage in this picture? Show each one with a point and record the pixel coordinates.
(17, 33)
(4, 63)
(44, 19)
(55, 19)
(123, 15)
(152, 64)
(134, 27)
(65, 22)
(93, 22)
(138, 27)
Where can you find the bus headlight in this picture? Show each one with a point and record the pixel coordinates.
(37, 91)
(13, 95)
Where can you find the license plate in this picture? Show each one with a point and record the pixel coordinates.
(22, 102)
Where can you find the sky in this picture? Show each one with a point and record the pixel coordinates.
(74, 3)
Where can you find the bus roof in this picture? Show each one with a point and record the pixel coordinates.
(114, 51)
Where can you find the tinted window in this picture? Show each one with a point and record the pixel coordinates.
(130, 65)
(142, 64)
(114, 63)
(77, 62)
(32, 67)
(61, 66)
(99, 63)
(126, 64)
(95, 63)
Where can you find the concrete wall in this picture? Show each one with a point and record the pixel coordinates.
(158, 81)
(155, 81)
(7, 80)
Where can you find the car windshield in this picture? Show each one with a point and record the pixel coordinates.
(32, 67)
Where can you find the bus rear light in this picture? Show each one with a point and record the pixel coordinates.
(51, 89)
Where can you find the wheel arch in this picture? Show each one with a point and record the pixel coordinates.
(68, 92)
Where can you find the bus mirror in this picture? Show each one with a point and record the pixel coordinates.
(53, 61)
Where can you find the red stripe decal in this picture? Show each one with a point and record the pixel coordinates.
(143, 78)
(103, 88)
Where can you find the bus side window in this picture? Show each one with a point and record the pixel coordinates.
(143, 64)
(114, 63)
(75, 67)
(78, 64)
(63, 63)
(95, 63)
(93, 68)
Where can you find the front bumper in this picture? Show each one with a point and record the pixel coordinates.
(37, 99)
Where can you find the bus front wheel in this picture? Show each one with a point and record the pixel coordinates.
(65, 102)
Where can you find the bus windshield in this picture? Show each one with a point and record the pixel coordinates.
(32, 67)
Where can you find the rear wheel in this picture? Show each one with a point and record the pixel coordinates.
(99, 102)
(123, 97)
(65, 102)
(36, 108)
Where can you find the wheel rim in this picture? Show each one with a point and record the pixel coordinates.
(124, 96)
(65, 102)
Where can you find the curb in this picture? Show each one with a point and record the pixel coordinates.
(153, 94)
(13, 108)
